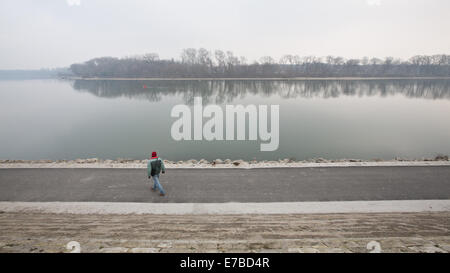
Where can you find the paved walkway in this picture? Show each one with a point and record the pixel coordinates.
(228, 185)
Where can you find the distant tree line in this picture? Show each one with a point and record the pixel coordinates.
(207, 64)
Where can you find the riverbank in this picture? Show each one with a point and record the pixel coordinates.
(226, 163)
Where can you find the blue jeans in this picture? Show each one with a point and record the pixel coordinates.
(156, 184)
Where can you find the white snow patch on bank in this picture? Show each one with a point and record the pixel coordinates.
(241, 165)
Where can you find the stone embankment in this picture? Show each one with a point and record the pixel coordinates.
(222, 163)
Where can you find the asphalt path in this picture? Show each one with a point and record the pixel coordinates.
(227, 185)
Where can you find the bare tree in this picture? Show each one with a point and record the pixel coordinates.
(220, 57)
(203, 57)
(376, 61)
(267, 60)
(287, 59)
(151, 57)
(189, 56)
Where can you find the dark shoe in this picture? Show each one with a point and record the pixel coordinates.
(162, 194)
(153, 189)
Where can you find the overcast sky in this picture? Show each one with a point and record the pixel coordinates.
(57, 33)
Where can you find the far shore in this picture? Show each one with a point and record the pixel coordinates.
(219, 163)
(257, 79)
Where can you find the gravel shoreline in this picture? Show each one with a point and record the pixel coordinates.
(219, 163)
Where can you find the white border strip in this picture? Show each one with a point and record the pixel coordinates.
(228, 208)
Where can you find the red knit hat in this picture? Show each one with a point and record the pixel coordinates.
(153, 154)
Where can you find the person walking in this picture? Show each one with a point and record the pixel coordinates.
(154, 167)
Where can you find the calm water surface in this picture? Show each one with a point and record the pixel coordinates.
(367, 119)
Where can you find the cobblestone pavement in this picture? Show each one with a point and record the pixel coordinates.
(395, 232)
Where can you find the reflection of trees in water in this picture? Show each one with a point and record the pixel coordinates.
(221, 91)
